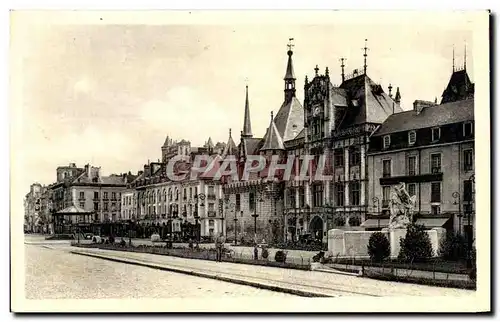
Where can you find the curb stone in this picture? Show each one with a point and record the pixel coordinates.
(205, 275)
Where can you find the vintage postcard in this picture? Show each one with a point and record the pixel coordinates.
(241, 161)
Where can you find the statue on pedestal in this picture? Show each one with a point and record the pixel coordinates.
(401, 206)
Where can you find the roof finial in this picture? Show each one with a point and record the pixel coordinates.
(316, 69)
(229, 132)
(290, 44)
(435, 99)
(307, 80)
(342, 59)
(390, 90)
(465, 56)
(326, 71)
(365, 55)
(453, 58)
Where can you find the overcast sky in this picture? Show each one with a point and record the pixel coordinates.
(109, 94)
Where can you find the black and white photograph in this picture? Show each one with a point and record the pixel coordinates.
(222, 161)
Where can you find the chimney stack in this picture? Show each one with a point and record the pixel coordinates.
(419, 105)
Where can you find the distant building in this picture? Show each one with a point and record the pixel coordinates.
(36, 207)
(431, 150)
(87, 189)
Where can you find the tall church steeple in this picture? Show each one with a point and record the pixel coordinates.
(247, 126)
(289, 75)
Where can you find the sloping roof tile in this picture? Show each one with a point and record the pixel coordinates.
(273, 139)
(454, 112)
(290, 119)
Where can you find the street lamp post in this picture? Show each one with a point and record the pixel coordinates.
(377, 201)
(456, 195)
(235, 229)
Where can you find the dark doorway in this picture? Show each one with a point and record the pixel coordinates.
(316, 228)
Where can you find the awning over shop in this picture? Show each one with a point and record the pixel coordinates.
(432, 222)
(375, 223)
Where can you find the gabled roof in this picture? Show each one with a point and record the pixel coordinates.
(273, 139)
(368, 103)
(290, 119)
(454, 112)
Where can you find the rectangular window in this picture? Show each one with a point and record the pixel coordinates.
(251, 201)
(436, 134)
(386, 168)
(291, 198)
(468, 129)
(82, 195)
(386, 196)
(105, 206)
(354, 156)
(436, 192)
(105, 195)
(82, 204)
(339, 157)
(411, 188)
(412, 137)
(302, 197)
(339, 194)
(113, 195)
(387, 141)
(435, 210)
(96, 206)
(468, 190)
(355, 190)
(211, 207)
(96, 195)
(412, 166)
(238, 202)
(436, 163)
(317, 195)
(113, 206)
(468, 160)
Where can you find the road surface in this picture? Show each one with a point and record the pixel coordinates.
(57, 274)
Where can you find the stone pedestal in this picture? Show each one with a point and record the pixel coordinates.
(336, 245)
(394, 238)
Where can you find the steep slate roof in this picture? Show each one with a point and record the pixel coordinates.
(252, 145)
(290, 119)
(290, 74)
(454, 112)
(368, 102)
(338, 96)
(230, 148)
(247, 126)
(273, 139)
(459, 87)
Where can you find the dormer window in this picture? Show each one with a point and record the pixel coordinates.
(468, 129)
(436, 134)
(412, 137)
(387, 141)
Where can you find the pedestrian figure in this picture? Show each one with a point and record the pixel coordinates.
(219, 246)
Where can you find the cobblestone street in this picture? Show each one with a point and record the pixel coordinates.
(57, 274)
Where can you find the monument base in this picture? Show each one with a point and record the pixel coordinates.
(395, 236)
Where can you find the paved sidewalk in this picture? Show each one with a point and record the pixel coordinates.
(305, 283)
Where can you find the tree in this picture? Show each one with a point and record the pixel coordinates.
(416, 246)
(453, 247)
(379, 247)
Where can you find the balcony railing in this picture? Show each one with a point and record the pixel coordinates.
(211, 213)
(211, 197)
(435, 170)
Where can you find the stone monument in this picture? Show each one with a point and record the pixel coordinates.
(401, 207)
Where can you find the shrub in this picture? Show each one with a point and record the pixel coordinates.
(123, 243)
(416, 245)
(265, 253)
(280, 256)
(379, 247)
(453, 247)
(111, 239)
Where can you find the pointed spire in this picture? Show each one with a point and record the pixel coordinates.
(247, 127)
(167, 142)
(306, 80)
(230, 148)
(390, 90)
(435, 100)
(397, 98)
(327, 72)
(273, 139)
(289, 74)
(365, 55)
(316, 70)
(453, 59)
(342, 59)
